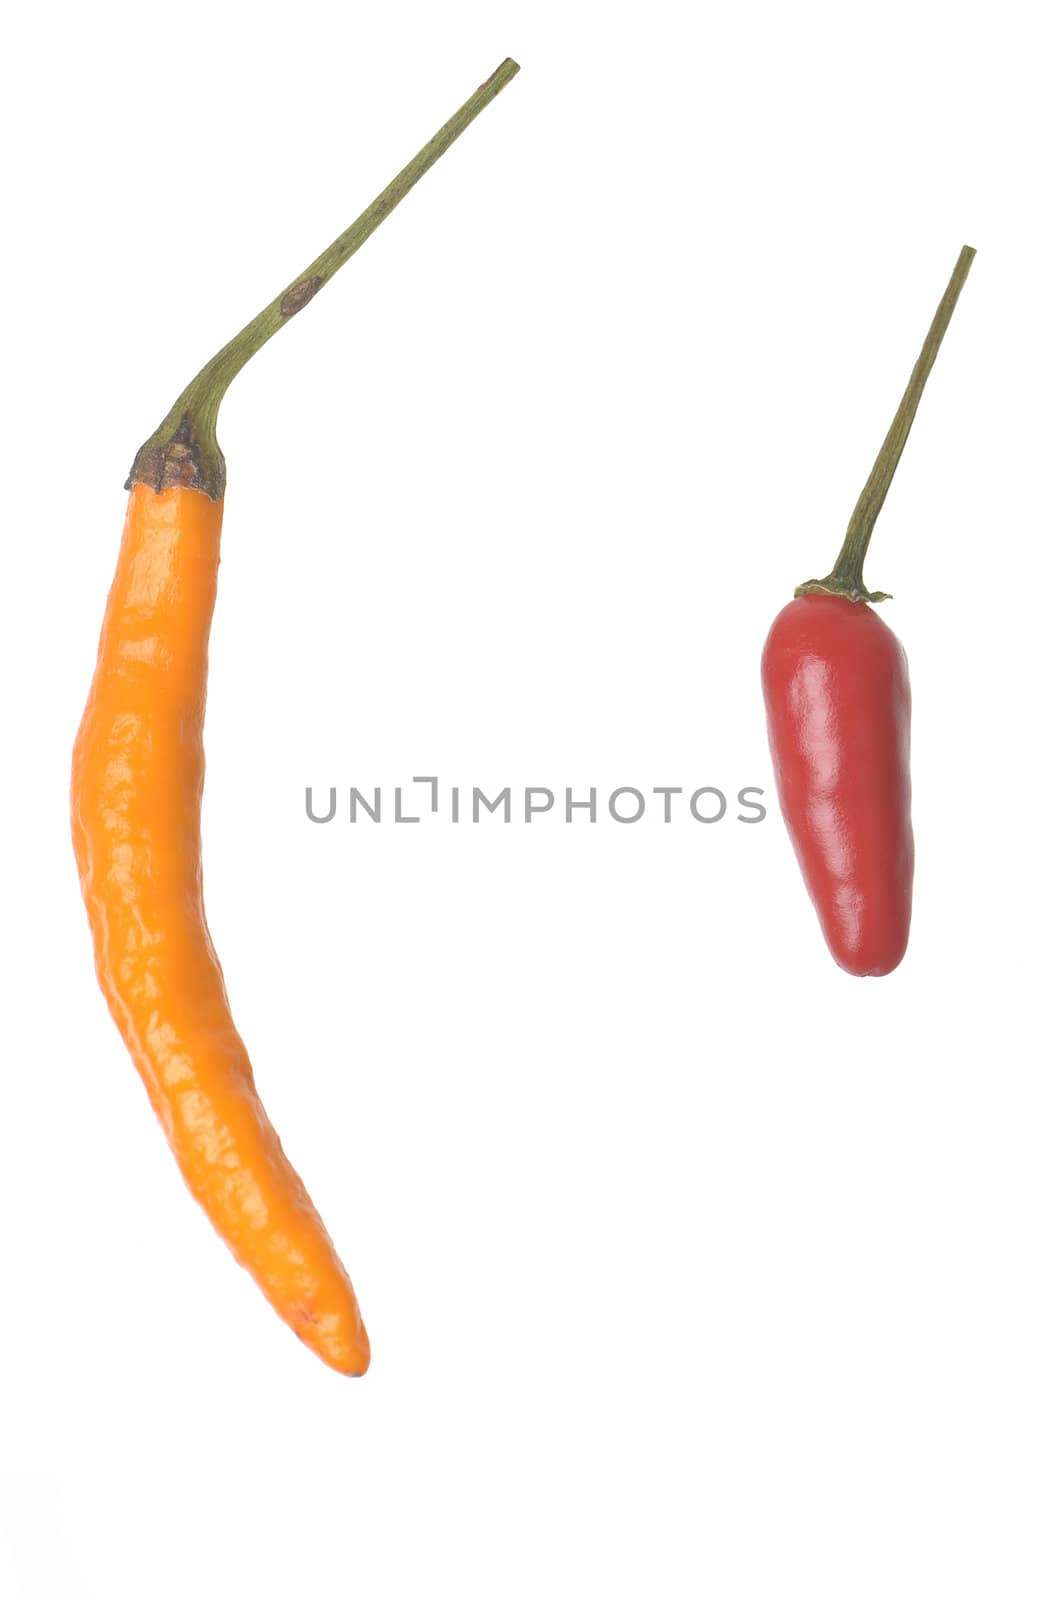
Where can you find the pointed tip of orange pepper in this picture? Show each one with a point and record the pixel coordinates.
(350, 1359)
(337, 1336)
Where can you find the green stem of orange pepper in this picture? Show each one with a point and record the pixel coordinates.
(183, 452)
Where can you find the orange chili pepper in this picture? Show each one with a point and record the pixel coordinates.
(135, 803)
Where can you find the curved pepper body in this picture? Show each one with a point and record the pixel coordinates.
(136, 789)
(835, 682)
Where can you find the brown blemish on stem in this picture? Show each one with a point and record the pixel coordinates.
(298, 296)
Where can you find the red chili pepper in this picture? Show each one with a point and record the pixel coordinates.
(839, 714)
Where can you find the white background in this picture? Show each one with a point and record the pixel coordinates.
(693, 1267)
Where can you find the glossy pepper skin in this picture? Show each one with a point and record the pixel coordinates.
(136, 789)
(135, 803)
(835, 682)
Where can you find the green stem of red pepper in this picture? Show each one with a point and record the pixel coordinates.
(847, 577)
